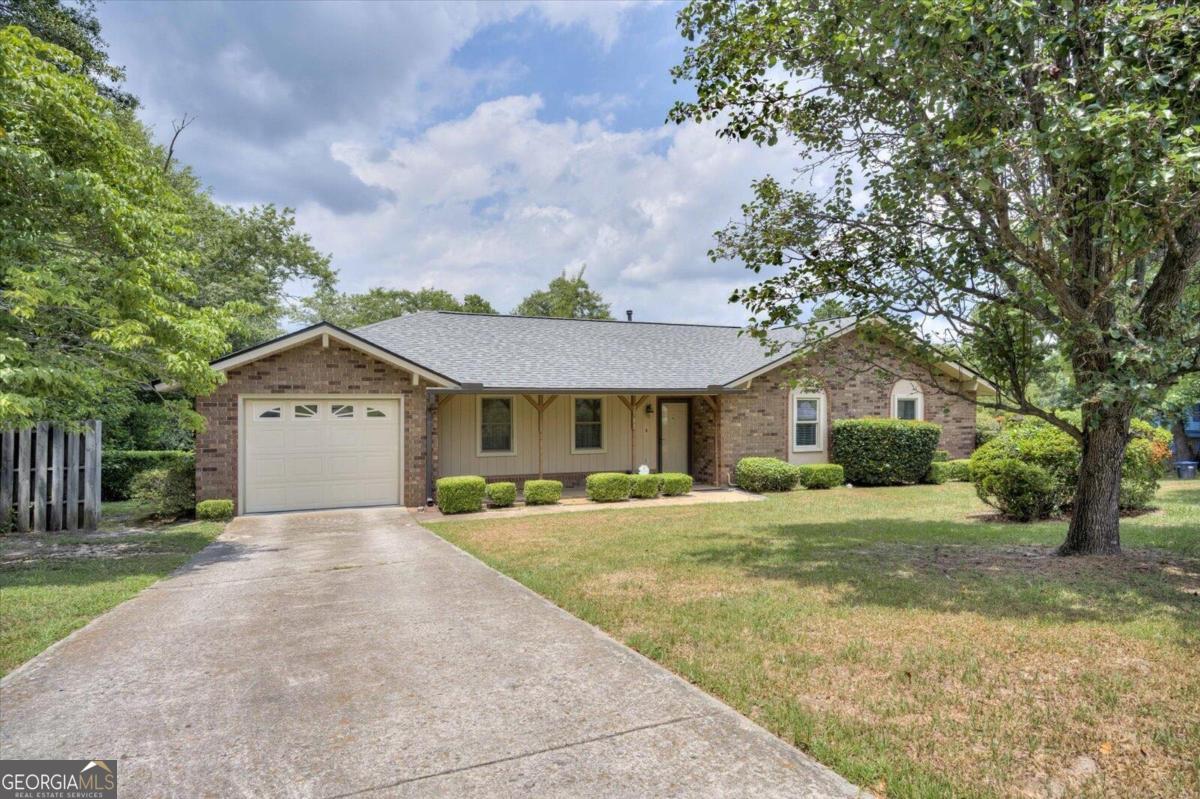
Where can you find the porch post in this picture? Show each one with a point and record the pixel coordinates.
(633, 403)
(540, 406)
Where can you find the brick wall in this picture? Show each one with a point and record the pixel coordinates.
(855, 377)
(304, 369)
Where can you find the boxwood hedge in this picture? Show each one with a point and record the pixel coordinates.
(500, 495)
(215, 510)
(761, 475)
(675, 484)
(542, 492)
(821, 475)
(461, 494)
(884, 452)
(645, 486)
(609, 486)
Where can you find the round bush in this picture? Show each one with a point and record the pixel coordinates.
(118, 467)
(645, 486)
(609, 486)
(501, 495)
(1020, 490)
(461, 494)
(761, 475)
(1040, 443)
(675, 484)
(884, 452)
(542, 492)
(939, 472)
(168, 491)
(821, 475)
(960, 470)
(215, 510)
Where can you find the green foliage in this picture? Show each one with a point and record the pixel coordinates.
(939, 472)
(1022, 491)
(821, 475)
(675, 484)
(501, 495)
(829, 309)
(215, 510)
(941, 456)
(118, 468)
(645, 486)
(93, 248)
(378, 304)
(463, 494)
(882, 452)
(542, 492)
(1058, 454)
(609, 486)
(140, 419)
(567, 296)
(167, 491)
(1039, 201)
(761, 475)
(960, 470)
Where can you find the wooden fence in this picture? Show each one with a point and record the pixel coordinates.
(50, 478)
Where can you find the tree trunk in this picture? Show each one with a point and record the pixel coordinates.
(1183, 447)
(1096, 517)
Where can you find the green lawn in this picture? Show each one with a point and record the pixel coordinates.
(900, 635)
(52, 589)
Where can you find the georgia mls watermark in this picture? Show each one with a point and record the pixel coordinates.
(58, 779)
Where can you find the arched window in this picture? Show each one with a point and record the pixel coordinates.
(908, 401)
(808, 420)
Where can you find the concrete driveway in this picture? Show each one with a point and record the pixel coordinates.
(353, 653)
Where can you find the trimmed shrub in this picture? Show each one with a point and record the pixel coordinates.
(761, 475)
(821, 475)
(645, 486)
(675, 484)
(168, 491)
(215, 510)
(960, 470)
(500, 495)
(939, 472)
(609, 486)
(542, 492)
(1037, 442)
(118, 468)
(1022, 491)
(462, 494)
(941, 455)
(884, 452)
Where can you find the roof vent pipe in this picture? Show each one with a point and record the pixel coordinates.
(629, 316)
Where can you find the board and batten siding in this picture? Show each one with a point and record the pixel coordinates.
(458, 438)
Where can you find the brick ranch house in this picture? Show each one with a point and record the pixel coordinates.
(325, 417)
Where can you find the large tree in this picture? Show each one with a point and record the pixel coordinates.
(374, 305)
(567, 296)
(94, 291)
(1000, 177)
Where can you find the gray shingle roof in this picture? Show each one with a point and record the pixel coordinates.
(516, 352)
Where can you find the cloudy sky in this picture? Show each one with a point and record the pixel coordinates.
(477, 148)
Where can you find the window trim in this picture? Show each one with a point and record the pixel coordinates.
(911, 391)
(603, 448)
(512, 423)
(795, 395)
(351, 404)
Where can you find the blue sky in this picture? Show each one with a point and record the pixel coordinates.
(473, 147)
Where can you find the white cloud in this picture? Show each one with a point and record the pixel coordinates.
(499, 201)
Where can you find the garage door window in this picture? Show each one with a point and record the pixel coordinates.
(271, 413)
(376, 413)
(341, 411)
(305, 411)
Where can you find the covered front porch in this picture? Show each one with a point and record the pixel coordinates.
(565, 436)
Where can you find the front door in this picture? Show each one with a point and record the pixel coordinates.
(673, 431)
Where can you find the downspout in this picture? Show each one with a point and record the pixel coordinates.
(430, 411)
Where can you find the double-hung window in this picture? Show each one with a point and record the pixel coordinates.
(495, 425)
(588, 432)
(907, 400)
(808, 422)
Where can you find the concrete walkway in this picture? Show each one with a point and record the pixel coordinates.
(353, 653)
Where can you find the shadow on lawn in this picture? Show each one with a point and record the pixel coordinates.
(1001, 580)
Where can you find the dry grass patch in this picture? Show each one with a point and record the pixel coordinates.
(915, 649)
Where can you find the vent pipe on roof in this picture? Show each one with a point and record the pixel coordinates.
(629, 316)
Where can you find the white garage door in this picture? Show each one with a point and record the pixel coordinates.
(321, 453)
